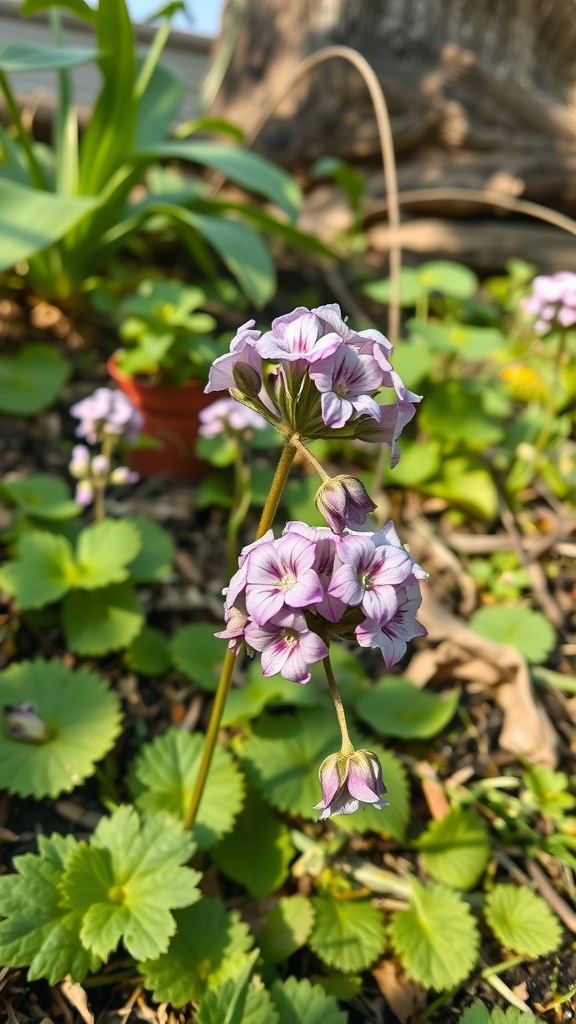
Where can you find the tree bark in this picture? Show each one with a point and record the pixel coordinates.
(481, 93)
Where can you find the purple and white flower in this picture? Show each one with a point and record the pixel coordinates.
(227, 414)
(343, 501)
(287, 645)
(280, 573)
(369, 575)
(24, 723)
(392, 632)
(346, 382)
(552, 301)
(242, 350)
(107, 412)
(302, 337)
(348, 780)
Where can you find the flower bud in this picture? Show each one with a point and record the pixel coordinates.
(100, 465)
(347, 780)
(80, 462)
(247, 379)
(123, 475)
(24, 723)
(343, 501)
(84, 493)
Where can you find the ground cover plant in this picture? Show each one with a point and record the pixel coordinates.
(196, 859)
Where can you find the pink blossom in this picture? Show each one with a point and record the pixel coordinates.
(299, 338)
(347, 780)
(553, 301)
(242, 350)
(330, 608)
(229, 414)
(347, 381)
(369, 575)
(392, 631)
(287, 645)
(280, 573)
(107, 412)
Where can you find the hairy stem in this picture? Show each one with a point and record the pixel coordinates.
(266, 520)
(347, 745)
(295, 440)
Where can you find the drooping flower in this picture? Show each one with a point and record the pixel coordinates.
(107, 412)
(343, 501)
(287, 645)
(347, 780)
(24, 723)
(229, 414)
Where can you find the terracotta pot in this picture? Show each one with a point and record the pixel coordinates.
(170, 416)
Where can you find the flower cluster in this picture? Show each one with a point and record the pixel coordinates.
(294, 594)
(228, 415)
(313, 375)
(552, 301)
(92, 471)
(107, 413)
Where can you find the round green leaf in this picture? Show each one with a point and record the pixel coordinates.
(98, 621)
(209, 945)
(31, 379)
(413, 361)
(513, 624)
(257, 853)
(82, 715)
(411, 289)
(419, 461)
(41, 496)
(456, 849)
(156, 554)
(198, 653)
(522, 921)
(454, 411)
(104, 551)
(149, 653)
(286, 928)
(42, 572)
(283, 754)
(395, 707)
(301, 1002)
(467, 340)
(426, 935)
(465, 481)
(449, 278)
(163, 778)
(347, 934)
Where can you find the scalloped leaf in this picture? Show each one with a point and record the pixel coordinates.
(199, 654)
(521, 627)
(209, 946)
(37, 930)
(395, 707)
(156, 555)
(82, 714)
(283, 754)
(42, 496)
(347, 934)
(98, 621)
(257, 853)
(218, 1003)
(149, 653)
(522, 921)
(286, 928)
(128, 880)
(456, 849)
(104, 551)
(163, 778)
(42, 572)
(436, 922)
(301, 1002)
(31, 379)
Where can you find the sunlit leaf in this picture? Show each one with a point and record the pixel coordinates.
(514, 624)
(522, 921)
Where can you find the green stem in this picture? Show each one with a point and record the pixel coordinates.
(99, 506)
(34, 169)
(324, 476)
(347, 745)
(266, 520)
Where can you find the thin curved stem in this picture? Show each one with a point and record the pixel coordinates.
(386, 148)
(311, 459)
(266, 520)
(347, 745)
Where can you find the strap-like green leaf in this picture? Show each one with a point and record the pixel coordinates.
(31, 220)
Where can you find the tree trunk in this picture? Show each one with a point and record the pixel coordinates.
(481, 93)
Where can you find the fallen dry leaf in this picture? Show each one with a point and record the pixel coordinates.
(405, 998)
(526, 730)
